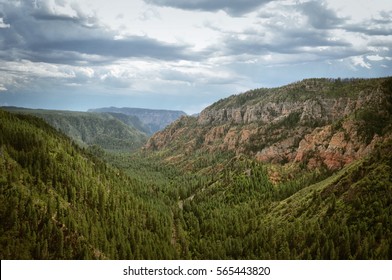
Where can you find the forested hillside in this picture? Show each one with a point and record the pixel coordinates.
(297, 172)
(300, 171)
(113, 132)
(58, 202)
(240, 213)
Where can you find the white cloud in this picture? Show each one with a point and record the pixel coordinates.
(358, 10)
(374, 57)
(360, 61)
(87, 71)
(3, 24)
(2, 88)
(39, 69)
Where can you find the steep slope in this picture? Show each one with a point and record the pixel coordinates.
(316, 122)
(239, 211)
(242, 214)
(115, 133)
(153, 120)
(130, 120)
(296, 172)
(58, 202)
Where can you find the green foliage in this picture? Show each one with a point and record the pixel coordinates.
(58, 202)
(112, 132)
(372, 122)
(235, 211)
(244, 215)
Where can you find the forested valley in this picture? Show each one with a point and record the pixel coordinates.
(186, 195)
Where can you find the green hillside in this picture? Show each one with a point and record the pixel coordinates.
(110, 132)
(241, 214)
(230, 209)
(197, 191)
(296, 172)
(58, 202)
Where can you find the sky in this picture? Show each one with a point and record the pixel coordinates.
(182, 54)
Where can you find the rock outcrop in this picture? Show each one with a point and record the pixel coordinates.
(315, 122)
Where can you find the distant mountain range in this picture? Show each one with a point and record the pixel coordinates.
(152, 120)
(110, 128)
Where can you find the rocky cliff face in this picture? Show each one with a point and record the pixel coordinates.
(316, 122)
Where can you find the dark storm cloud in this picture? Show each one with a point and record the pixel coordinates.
(42, 11)
(89, 22)
(235, 8)
(320, 16)
(36, 33)
(134, 46)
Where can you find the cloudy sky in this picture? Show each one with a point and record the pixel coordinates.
(181, 54)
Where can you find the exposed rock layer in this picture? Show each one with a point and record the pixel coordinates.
(316, 122)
